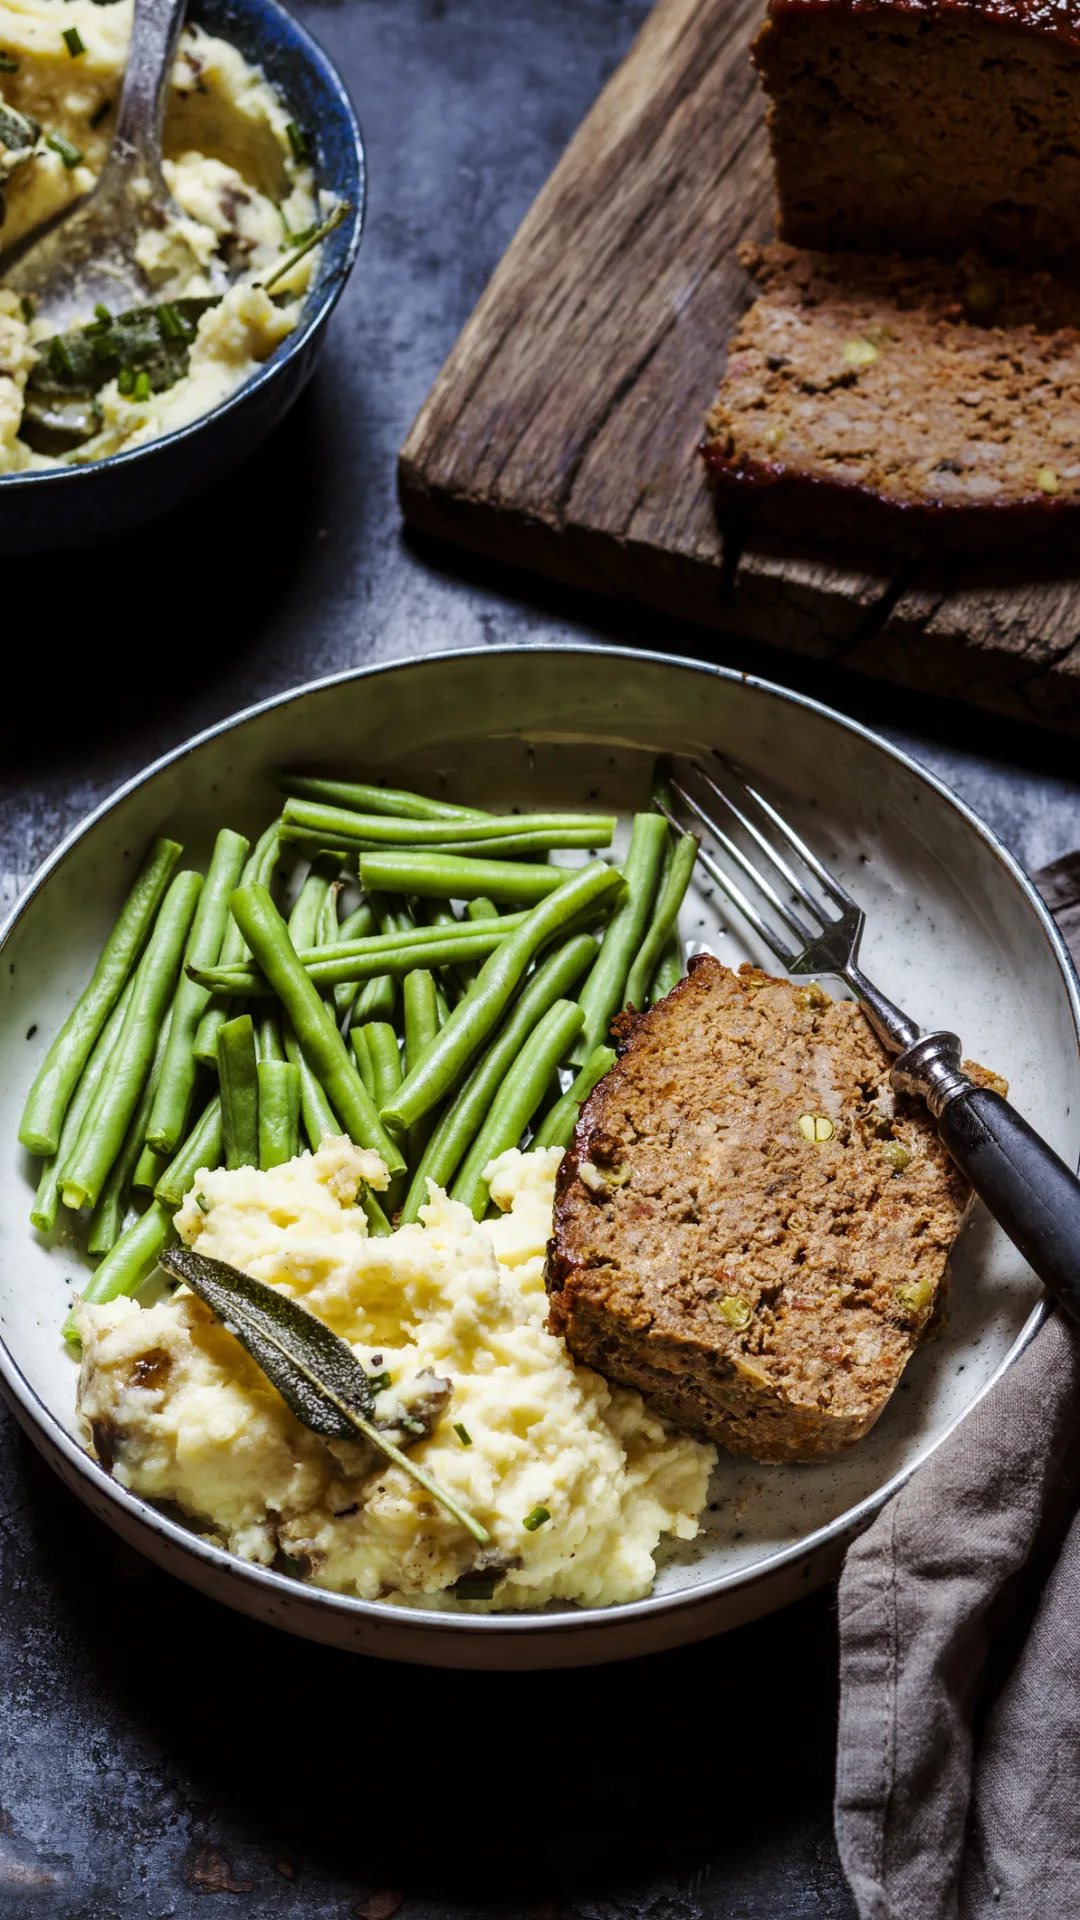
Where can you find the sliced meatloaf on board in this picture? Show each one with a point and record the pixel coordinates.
(921, 404)
(750, 1226)
(925, 125)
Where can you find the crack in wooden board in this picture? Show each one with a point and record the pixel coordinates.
(561, 434)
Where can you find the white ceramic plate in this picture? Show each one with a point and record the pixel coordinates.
(955, 933)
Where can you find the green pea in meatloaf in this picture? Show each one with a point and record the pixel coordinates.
(921, 404)
(926, 125)
(750, 1227)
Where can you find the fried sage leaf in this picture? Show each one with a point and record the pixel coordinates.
(314, 1370)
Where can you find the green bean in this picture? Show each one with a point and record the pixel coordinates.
(131, 1261)
(475, 1016)
(315, 1109)
(664, 921)
(269, 1044)
(337, 827)
(558, 1127)
(168, 1115)
(420, 1008)
(106, 1123)
(149, 1168)
(358, 1037)
(356, 926)
(385, 1057)
(380, 952)
(321, 1043)
(47, 1198)
(482, 908)
(58, 1075)
(365, 799)
(326, 929)
(662, 795)
(234, 948)
(670, 969)
(279, 1112)
(465, 1112)
(107, 1219)
(604, 991)
(439, 914)
(378, 1225)
(201, 1152)
(304, 920)
(421, 1013)
(239, 1082)
(518, 1097)
(376, 999)
(449, 876)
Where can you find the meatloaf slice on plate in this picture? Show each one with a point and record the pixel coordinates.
(750, 1226)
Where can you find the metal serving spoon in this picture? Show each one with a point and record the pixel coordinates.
(86, 254)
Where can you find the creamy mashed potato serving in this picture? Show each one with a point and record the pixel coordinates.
(574, 1480)
(237, 169)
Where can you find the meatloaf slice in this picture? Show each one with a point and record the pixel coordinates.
(926, 125)
(750, 1226)
(921, 404)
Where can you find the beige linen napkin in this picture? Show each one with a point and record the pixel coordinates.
(958, 1769)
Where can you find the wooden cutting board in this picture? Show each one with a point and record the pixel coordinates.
(561, 434)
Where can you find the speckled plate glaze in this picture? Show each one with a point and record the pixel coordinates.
(956, 933)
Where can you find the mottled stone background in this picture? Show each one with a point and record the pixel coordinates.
(159, 1756)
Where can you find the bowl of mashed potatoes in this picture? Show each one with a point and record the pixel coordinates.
(122, 417)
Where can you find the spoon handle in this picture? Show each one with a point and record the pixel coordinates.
(136, 147)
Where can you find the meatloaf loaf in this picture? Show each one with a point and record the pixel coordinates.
(921, 404)
(750, 1226)
(928, 125)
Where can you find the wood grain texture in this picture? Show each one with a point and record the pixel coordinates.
(561, 434)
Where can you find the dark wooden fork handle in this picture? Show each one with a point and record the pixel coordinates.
(1029, 1191)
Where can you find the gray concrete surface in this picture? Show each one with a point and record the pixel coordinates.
(159, 1756)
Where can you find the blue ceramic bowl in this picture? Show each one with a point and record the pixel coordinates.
(78, 506)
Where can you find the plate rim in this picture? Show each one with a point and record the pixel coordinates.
(40, 1421)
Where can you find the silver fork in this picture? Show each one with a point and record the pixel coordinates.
(1028, 1189)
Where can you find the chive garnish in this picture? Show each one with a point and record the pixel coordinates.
(379, 1381)
(125, 380)
(26, 308)
(305, 242)
(170, 322)
(7, 64)
(202, 1202)
(298, 140)
(70, 154)
(99, 113)
(60, 356)
(463, 1434)
(537, 1518)
(141, 390)
(73, 41)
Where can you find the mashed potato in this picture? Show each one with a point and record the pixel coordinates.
(241, 187)
(180, 1413)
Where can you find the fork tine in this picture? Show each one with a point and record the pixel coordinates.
(798, 887)
(735, 853)
(805, 853)
(735, 894)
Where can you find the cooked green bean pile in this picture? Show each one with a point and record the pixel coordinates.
(430, 1021)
